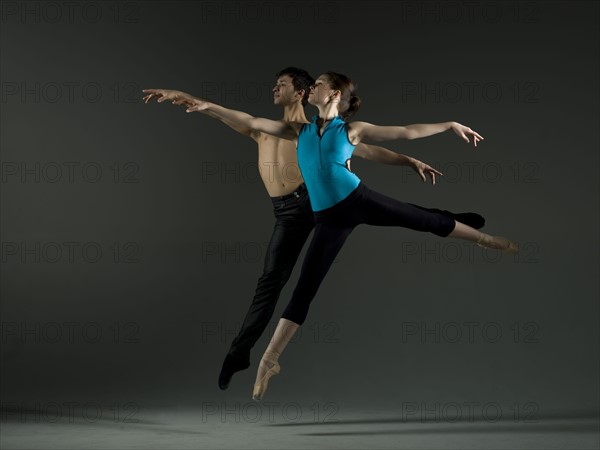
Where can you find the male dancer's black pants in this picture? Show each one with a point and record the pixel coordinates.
(294, 222)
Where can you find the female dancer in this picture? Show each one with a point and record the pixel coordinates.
(340, 201)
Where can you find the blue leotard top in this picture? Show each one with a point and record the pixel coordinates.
(322, 160)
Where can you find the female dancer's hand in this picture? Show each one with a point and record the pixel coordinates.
(177, 97)
(463, 131)
(421, 168)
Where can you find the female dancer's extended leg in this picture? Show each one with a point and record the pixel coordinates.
(381, 210)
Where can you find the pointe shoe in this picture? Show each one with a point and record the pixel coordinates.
(261, 386)
(498, 243)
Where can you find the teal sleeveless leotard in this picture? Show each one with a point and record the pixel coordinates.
(322, 160)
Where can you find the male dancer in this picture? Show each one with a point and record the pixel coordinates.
(291, 205)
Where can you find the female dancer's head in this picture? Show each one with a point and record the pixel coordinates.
(334, 90)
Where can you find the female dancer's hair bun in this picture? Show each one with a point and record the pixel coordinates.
(353, 106)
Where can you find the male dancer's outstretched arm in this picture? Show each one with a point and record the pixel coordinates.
(242, 120)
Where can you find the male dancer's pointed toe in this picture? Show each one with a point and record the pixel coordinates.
(224, 380)
(231, 365)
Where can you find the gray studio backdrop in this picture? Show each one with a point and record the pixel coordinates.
(133, 234)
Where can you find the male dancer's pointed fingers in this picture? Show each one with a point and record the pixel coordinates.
(151, 94)
(476, 137)
(182, 101)
(433, 170)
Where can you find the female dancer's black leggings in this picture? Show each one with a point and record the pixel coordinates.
(334, 225)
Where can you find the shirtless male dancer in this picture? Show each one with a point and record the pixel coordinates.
(294, 218)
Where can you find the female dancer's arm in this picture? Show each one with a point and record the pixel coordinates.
(236, 119)
(358, 131)
(384, 156)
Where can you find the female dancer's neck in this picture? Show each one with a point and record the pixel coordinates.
(328, 112)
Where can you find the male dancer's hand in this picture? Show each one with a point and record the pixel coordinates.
(463, 131)
(421, 168)
(197, 105)
(177, 97)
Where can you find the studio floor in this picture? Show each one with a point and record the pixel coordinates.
(252, 425)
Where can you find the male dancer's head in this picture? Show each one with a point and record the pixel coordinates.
(292, 87)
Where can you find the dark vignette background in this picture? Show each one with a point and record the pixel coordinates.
(182, 219)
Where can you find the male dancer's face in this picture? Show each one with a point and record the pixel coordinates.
(284, 92)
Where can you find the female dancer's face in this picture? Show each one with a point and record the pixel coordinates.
(320, 92)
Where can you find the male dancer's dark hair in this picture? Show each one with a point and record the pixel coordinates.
(301, 80)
